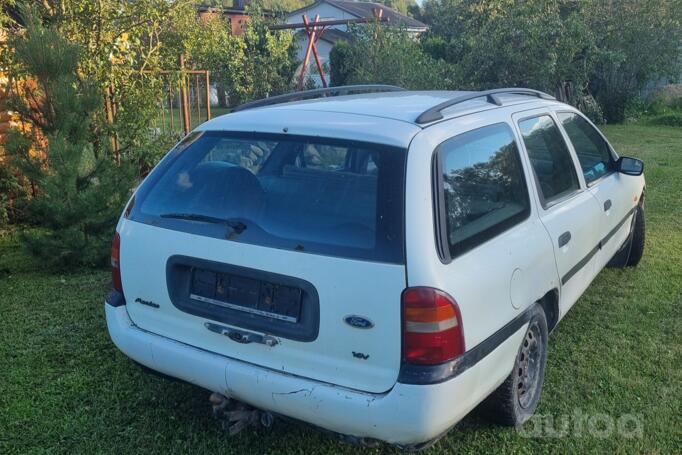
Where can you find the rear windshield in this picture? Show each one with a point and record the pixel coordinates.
(324, 196)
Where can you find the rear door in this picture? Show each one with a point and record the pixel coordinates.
(569, 213)
(616, 194)
(284, 252)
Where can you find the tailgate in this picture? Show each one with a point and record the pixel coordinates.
(196, 289)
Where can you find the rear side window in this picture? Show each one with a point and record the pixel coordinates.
(593, 152)
(325, 196)
(482, 190)
(551, 160)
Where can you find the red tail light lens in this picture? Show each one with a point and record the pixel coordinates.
(116, 263)
(432, 326)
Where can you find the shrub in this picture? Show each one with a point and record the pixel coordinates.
(388, 55)
(341, 61)
(669, 96)
(670, 119)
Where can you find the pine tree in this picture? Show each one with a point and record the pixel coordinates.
(80, 190)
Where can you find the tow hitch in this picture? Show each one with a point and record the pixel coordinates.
(235, 416)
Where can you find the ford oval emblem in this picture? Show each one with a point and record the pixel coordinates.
(358, 322)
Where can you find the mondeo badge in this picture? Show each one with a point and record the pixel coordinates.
(358, 322)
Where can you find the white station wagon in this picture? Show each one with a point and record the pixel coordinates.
(375, 262)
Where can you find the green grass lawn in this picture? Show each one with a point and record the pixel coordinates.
(64, 387)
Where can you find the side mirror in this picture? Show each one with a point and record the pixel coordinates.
(630, 166)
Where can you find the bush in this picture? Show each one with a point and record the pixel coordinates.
(341, 62)
(662, 107)
(670, 119)
(388, 55)
(669, 96)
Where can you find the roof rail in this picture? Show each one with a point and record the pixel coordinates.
(434, 113)
(318, 93)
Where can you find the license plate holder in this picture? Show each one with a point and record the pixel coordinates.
(245, 294)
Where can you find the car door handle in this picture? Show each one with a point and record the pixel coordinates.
(564, 238)
(607, 205)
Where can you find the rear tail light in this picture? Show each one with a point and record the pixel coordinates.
(432, 326)
(116, 264)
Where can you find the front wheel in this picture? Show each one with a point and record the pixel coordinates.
(515, 401)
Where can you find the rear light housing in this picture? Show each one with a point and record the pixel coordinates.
(432, 327)
(116, 264)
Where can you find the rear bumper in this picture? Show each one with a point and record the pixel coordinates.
(407, 414)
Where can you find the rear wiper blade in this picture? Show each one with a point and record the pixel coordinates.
(194, 217)
(237, 226)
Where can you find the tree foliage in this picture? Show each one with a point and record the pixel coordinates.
(609, 49)
(255, 64)
(126, 49)
(387, 55)
(80, 188)
(635, 42)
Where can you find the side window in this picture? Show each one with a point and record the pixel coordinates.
(482, 187)
(592, 150)
(550, 158)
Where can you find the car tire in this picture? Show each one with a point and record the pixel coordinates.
(515, 401)
(638, 238)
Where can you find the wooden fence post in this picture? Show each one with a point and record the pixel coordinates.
(208, 96)
(184, 99)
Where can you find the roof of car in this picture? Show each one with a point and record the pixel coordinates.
(400, 105)
(382, 115)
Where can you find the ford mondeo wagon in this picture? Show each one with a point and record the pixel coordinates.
(373, 261)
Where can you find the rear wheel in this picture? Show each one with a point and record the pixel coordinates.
(515, 401)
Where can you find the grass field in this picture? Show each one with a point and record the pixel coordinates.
(65, 388)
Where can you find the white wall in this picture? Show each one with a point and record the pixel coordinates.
(323, 49)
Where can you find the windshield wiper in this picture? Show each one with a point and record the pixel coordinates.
(237, 226)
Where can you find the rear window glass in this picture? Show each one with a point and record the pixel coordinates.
(325, 196)
(483, 188)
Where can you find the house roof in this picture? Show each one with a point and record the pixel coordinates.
(366, 10)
